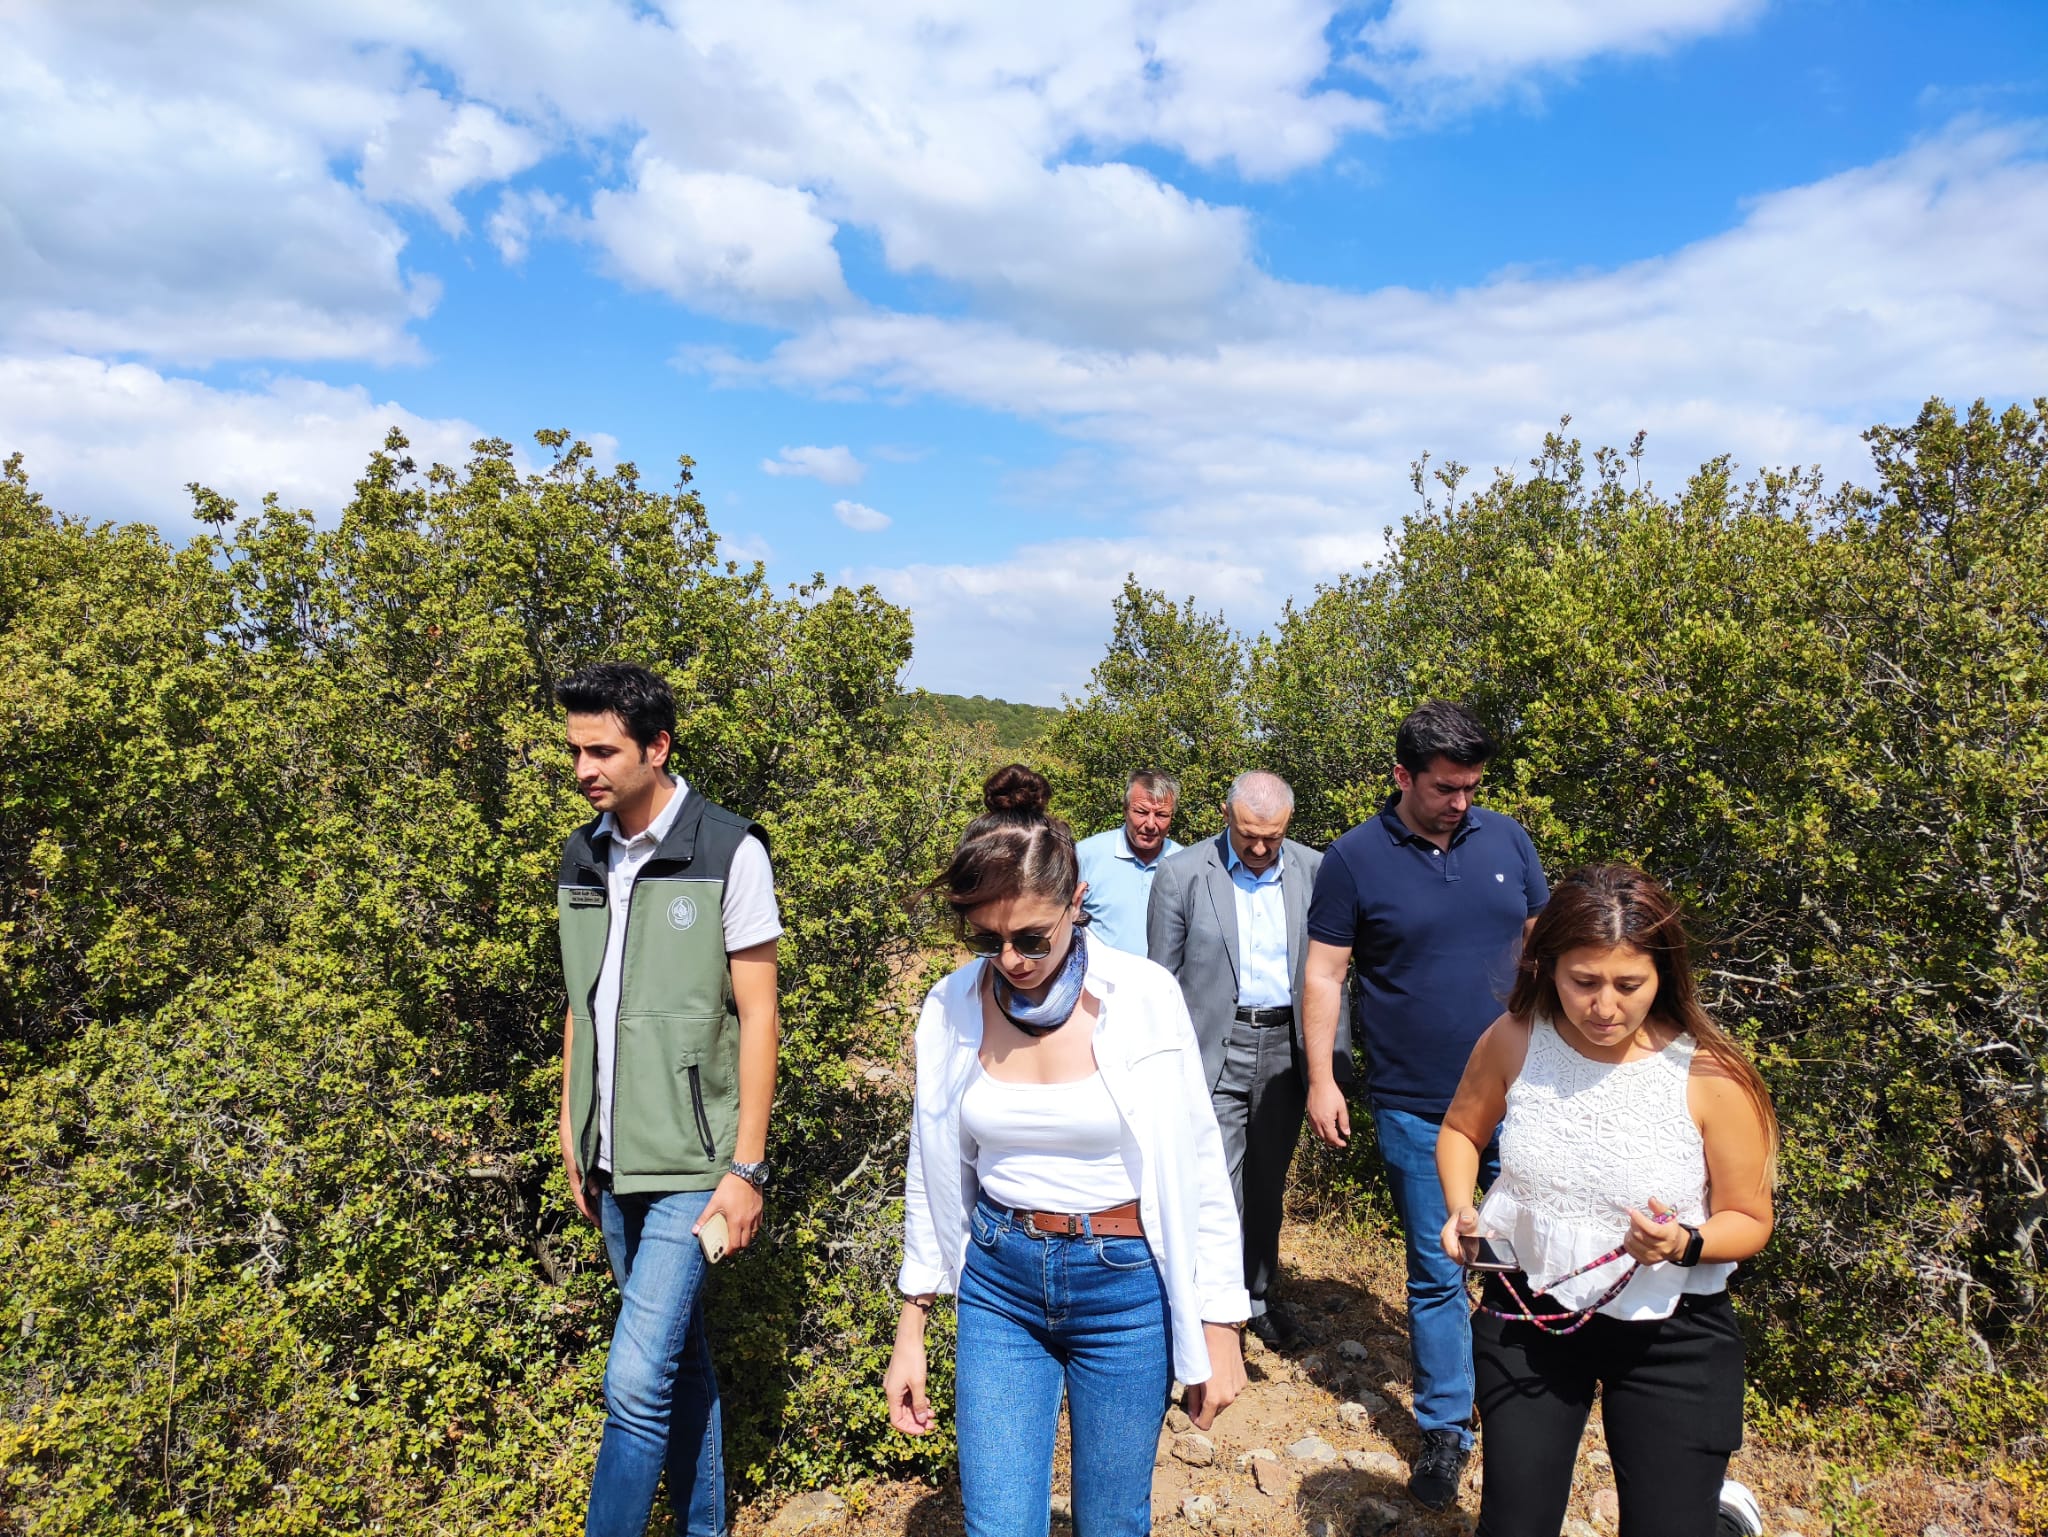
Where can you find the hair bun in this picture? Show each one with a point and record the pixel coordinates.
(1016, 790)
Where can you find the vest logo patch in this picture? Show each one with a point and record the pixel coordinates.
(586, 896)
(682, 912)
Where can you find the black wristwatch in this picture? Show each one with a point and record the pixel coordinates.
(755, 1174)
(1693, 1243)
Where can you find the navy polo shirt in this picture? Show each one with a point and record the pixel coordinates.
(1433, 936)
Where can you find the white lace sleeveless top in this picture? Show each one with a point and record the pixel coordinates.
(1582, 1142)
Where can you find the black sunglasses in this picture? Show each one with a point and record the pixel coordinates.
(1032, 944)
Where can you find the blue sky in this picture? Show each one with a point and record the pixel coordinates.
(989, 306)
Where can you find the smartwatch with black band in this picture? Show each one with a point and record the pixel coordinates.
(1694, 1241)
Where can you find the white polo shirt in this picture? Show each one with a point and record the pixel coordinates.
(750, 918)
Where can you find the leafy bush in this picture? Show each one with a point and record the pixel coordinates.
(287, 1243)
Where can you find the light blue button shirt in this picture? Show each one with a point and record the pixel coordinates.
(1264, 980)
(1119, 887)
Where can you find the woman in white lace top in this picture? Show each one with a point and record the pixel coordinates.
(1636, 1157)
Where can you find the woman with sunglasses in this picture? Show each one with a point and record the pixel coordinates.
(1066, 1181)
(1637, 1149)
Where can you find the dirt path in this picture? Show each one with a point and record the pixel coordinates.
(1318, 1446)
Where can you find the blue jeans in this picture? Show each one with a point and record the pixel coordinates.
(1439, 1310)
(660, 1392)
(1038, 1313)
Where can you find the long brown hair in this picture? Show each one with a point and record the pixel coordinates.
(1014, 847)
(1606, 905)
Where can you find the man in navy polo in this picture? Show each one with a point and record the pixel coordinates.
(1430, 901)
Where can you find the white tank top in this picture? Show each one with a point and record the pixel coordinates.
(1048, 1146)
(1582, 1142)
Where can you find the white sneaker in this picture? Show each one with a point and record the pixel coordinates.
(1741, 1516)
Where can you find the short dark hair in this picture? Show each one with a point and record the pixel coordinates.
(1441, 729)
(643, 702)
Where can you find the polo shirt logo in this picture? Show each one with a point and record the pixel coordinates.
(1499, 877)
(682, 912)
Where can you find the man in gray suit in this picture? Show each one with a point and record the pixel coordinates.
(1227, 918)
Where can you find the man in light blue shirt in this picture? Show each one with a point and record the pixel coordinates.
(1118, 866)
(1229, 919)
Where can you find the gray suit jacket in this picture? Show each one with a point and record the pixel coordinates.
(1191, 930)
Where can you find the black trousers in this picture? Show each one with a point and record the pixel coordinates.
(1670, 1400)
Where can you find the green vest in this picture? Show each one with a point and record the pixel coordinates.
(675, 1080)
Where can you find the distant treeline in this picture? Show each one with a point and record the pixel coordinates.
(1017, 727)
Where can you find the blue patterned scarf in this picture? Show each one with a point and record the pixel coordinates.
(1062, 995)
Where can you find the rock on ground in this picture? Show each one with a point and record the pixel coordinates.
(1606, 1509)
(1194, 1448)
(1275, 1479)
(1384, 1464)
(1198, 1510)
(819, 1511)
(1312, 1449)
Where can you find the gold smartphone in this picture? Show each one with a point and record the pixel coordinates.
(714, 1238)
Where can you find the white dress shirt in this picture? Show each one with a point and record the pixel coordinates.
(1146, 1051)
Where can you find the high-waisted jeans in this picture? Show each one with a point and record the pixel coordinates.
(1037, 1314)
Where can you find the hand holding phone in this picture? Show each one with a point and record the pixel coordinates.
(1482, 1251)
(714, 1238)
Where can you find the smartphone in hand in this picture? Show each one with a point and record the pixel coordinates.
(1483, 1252)
(714, 1238)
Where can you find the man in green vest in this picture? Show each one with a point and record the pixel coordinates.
(668, 920)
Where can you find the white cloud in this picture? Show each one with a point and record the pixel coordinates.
(431, 149)
(1828, 307)
(520, 216)
(859, 517)
(241, 163)
(186, 227)
(120, 440)
(1488, 42)
(835, 466)
(1050, 603)
(718, 240)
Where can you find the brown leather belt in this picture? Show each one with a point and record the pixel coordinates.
(1117, 1222)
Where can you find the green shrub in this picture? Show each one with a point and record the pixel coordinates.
(287, 1243)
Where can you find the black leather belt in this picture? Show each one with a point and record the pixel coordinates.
(1283, 1015)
